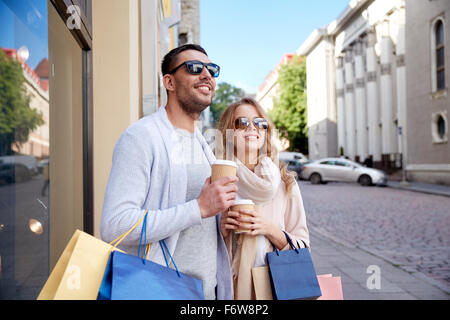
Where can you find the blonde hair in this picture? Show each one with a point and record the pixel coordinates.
(225, 149)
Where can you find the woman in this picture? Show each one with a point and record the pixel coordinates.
(248, 138)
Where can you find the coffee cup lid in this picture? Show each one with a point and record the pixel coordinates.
(243, 201)
(225, 162)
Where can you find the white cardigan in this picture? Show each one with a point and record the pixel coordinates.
(148, 172)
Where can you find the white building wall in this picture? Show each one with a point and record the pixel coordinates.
(370, 83)
(320, 102)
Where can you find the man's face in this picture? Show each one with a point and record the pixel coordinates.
(194, 92)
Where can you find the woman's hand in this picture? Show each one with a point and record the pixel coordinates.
(257, 225)
(228, 222)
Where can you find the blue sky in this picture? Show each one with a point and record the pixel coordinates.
(24, 23)
(247, 38)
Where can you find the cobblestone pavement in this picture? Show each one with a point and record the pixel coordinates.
(409, 229)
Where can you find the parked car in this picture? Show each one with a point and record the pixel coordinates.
(13, 173)
(294, 160)
(28, 162)
(295, 165)
(43, 164)
(338, 169)
(293, 156)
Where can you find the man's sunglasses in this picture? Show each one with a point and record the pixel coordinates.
(196, 67)
(243, 123)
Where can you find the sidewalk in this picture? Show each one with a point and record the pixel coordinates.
(331, 255)
(436, 189)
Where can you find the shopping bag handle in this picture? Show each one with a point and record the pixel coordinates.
(120, 238)
(290, 243)
(161, 243)
(147, 247)
(144, 234)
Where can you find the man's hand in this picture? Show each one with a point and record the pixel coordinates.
(217, 196)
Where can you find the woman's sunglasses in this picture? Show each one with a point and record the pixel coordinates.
(196, 67)
(243, 123)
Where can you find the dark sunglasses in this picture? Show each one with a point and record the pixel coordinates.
(196, 67)
(243, 123)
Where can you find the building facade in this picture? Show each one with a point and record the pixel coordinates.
(268, 90)
(384, 68)
(428, 101)
(360, 63)
(322, 138)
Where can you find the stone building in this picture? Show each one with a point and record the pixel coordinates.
(371, 74)
(189, 26)
(428, 101)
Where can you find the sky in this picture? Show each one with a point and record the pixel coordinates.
(247, 38)
(24, 23)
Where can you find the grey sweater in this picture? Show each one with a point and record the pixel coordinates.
(148, 172)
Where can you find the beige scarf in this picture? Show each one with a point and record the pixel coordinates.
(261, 187)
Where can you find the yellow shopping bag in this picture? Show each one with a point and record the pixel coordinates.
(79, 271)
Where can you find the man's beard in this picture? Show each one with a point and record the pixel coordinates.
(192, 106)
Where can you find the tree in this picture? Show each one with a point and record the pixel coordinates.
(17, 118)
(224, 96)
(289, 111)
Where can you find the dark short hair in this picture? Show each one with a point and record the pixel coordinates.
(170, 57)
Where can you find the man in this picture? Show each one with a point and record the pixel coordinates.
(162, 163)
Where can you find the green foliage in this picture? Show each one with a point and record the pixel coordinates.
(17, 119)
(225, 95)
(289, 110)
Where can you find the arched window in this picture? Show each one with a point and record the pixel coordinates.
(440, 55)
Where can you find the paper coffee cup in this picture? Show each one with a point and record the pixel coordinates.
(242, 204)
(223, 168)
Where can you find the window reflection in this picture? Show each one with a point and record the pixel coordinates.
(24, 148)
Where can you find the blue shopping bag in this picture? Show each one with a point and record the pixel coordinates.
(129, 277)
(292, 274)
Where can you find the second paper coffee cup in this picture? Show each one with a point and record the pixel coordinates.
(242, 204)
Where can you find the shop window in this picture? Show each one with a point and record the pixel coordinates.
(41, 143)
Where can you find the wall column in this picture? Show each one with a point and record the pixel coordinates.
(387, 129)
(373, 113)
(349, 106)
(340, 105)
(360, 107)
(401, 87)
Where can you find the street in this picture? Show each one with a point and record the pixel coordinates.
(408, 231)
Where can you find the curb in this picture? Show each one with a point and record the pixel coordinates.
(418, 189)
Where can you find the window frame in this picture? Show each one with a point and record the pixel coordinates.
(434, 51)
(83, 36)
(436, 137)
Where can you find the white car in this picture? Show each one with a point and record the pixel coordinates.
(27, 162)
(339, 169)
(285, 156)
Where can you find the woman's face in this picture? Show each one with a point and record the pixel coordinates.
(250, 139)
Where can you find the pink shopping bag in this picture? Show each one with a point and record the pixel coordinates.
(331, 287)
